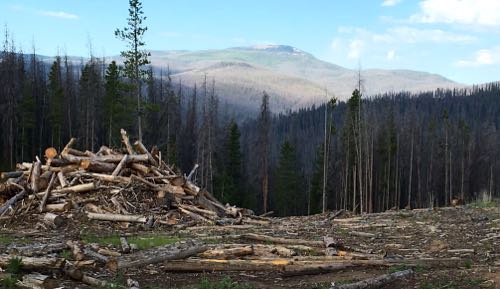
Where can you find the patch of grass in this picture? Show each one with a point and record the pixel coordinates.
(66, 254)
(481, 204)
(324, 285)
(468, 263)
(14, 266)
(225, 283)
(7, 240)
(9, 282)
(143, 242)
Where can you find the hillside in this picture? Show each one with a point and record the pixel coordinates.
(295, 77)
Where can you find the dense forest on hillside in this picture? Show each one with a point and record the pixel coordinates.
(394, 150)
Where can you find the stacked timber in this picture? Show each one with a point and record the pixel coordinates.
(127, 185)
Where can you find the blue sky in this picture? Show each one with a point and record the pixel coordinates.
(459, 39)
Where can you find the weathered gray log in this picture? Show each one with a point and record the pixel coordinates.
(12, 201)
(299, 270)
(34, 263)
(62, 179)
(35, 176)
(7, 175)
(179, 250)
(38, 281)
(94, 255)
(125, 245)
(378, 281)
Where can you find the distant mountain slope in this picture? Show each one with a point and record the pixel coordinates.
(293, 77)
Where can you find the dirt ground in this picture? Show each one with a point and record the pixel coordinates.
(470, 234)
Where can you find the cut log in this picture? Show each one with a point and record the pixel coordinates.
(313, 269)
(94, 255)
(264, 238)
(38, 281)
(62, 179)
(92, 165)
(109, 253)
(53, 220)
(76, 250)
(210, 265)
(76, 189)
(62, 207)
(140, 168)
(231, 253)
(125, 245)
(35, 176)
(68, 146)
(8, 175)
(117, 217)
(34, 263)
(120, 165)
(50, 153)
(12, 201)
(139, 146)
(175, 251)
(378, 281)
(47, 193)
(194, 216)
(126, 141)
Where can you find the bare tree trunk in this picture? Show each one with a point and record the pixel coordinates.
(411, 172)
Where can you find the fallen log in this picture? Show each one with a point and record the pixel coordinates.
(139, 146)
(157, 255)
(76, 189)
(231, 253)
(38, 281)
(124, 244)
(120, 165)
(62, 179)
(126, 141)
(34, 263)
(377, 282)
(265, 238)
(298, 270)
(8, 175)
(117, 217)
(35, 176)
(92, 165)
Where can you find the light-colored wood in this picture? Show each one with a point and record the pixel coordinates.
(61, 207)
(92, 165)
(47, 193)
(277, 240)
(126, 141)
(125, 245)
(53, 220)
(230, 253)
(139, 146)
(38, 281)
(34, 263)
(120, 165)
(35, 176)
(62, 180)
(117, 217)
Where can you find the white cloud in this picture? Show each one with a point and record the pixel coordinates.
(59, 14)
(391, 2)
(355, 48)
(478, 12)
(390, 55)
(481, 58)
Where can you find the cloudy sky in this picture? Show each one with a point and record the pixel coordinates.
(459, 39)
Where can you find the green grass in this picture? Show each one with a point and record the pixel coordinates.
(66, 254)
(225, 283)
(7, 240)
(481, 204)
(8, 282)
(468, 263)
(14, 265)
(143, 242)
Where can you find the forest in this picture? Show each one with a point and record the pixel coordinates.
(386, 151)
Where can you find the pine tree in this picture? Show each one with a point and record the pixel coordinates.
(117, 104)
(315, 188)
(135, 57)
(56, 103)
(288, 181)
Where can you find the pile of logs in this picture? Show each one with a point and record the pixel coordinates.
(128, 185)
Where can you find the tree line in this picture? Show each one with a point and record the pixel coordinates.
(367, 154)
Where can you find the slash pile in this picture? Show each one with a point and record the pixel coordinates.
(128, 185)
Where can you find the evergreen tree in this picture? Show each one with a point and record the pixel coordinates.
(288, 187)
(135, 57)
(56, 103)
(316, 186)
(117, 104)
